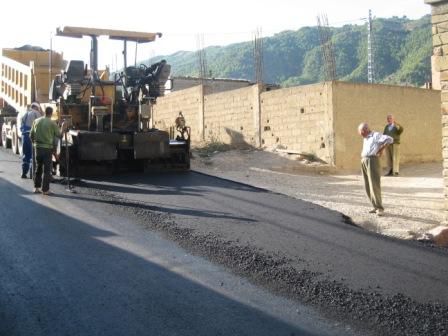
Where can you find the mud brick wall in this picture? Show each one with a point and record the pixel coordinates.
(319, 119)
(189, 102)
(299, 119)
(231, 117)
(417, 110)
(212, 85)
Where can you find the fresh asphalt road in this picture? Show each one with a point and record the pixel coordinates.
(316, 238)
(71, 266)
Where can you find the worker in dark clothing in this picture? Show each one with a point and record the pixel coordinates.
(394, 130)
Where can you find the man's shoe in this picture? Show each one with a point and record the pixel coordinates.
(36, 190)
(46, 193)
(372, 211)
(390, 173)
(396, 174)
(380, 212)
(23, 176)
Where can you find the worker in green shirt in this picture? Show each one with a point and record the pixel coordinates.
(43, 133)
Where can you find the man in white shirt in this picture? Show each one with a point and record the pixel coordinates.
(373, 145)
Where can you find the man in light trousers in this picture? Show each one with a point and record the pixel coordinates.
(373, 145)
(394, 130)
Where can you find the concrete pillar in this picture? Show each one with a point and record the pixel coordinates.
(257, 89)
(439, 12)
(201, 113)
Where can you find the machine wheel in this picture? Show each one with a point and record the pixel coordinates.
(15, 140)
(61, 165)
(5, 141)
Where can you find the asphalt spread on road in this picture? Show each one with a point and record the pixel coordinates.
(380, 285)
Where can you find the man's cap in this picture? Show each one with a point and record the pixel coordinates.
(35, 105)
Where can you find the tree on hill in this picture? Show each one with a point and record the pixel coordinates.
(402, 50)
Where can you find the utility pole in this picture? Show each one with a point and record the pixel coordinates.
(370, 51)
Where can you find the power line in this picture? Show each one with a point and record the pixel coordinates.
(347, 21)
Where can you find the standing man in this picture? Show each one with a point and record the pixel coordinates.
(373, 145)
(26, 121)
(394, 130)
(43, 132)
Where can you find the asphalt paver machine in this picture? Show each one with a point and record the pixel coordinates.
(110, 116)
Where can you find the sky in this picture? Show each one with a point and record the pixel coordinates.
(182, 23)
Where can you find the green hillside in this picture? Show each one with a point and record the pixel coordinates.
(402, 50)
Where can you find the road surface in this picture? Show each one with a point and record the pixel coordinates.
(71, 265)
(91, 260)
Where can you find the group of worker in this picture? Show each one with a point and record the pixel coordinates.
(374, 144)
(39, 132)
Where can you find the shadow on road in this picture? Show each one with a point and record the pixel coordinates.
(60, 275)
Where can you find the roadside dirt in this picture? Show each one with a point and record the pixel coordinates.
(413, 200)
